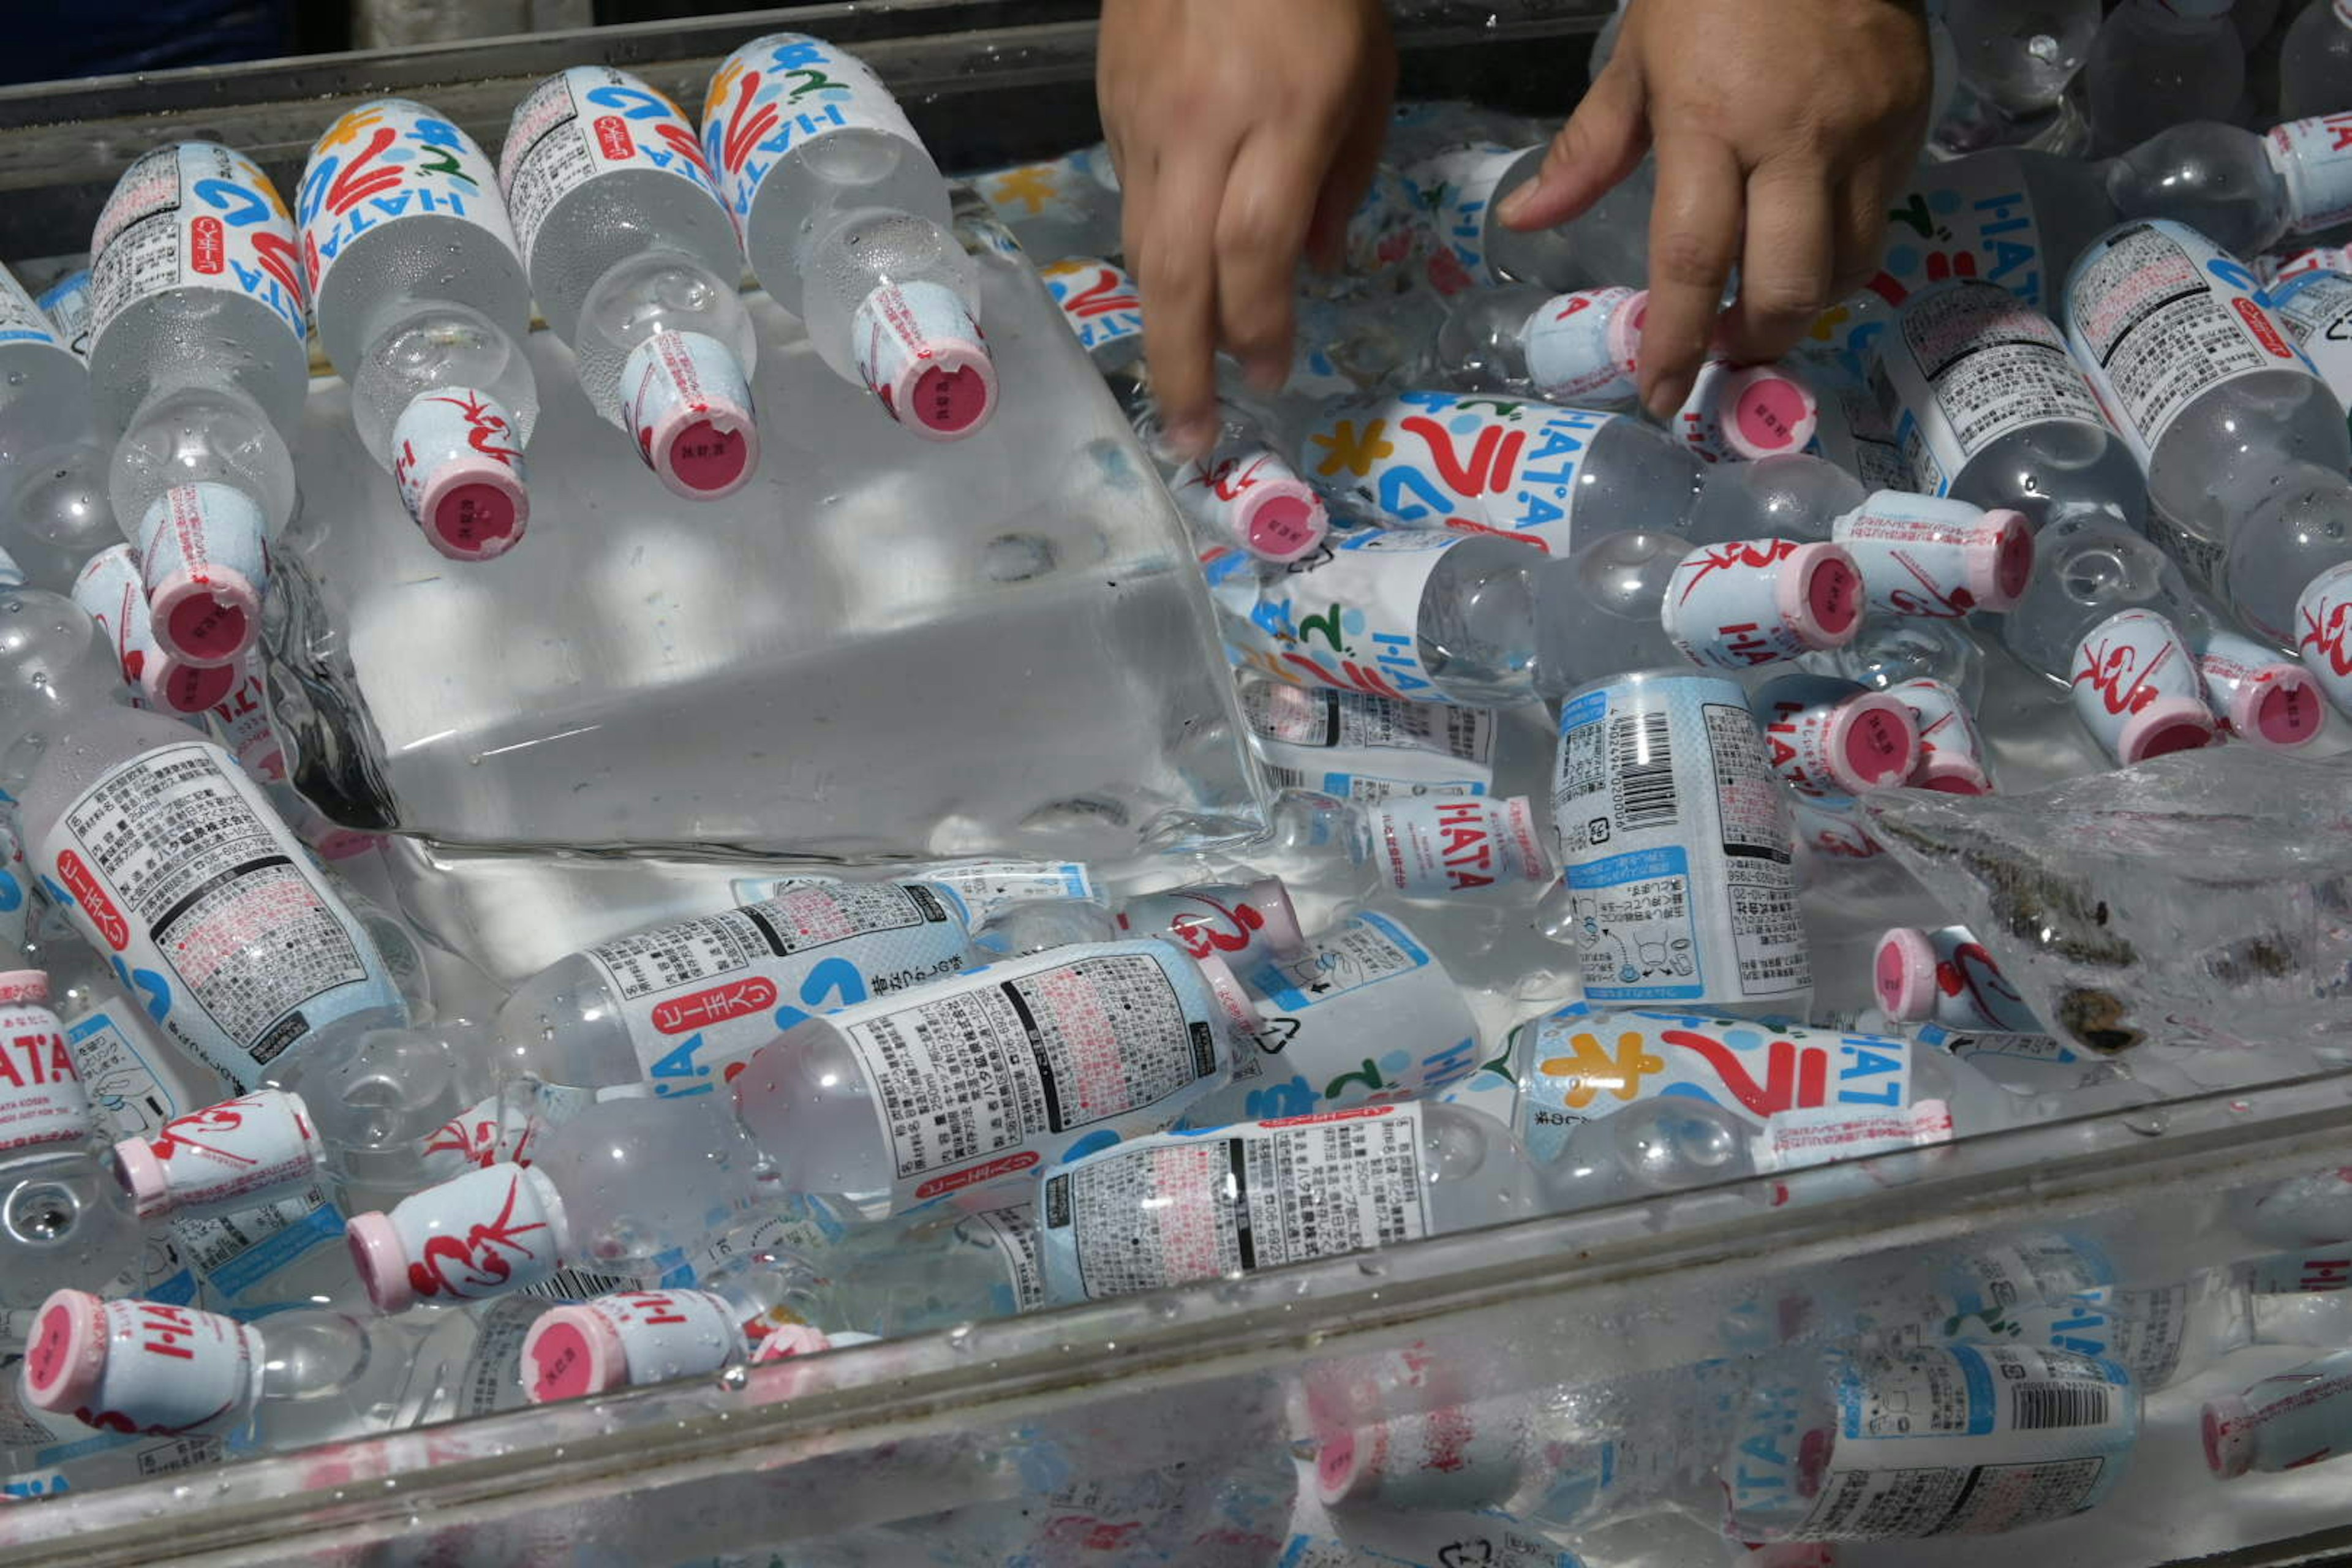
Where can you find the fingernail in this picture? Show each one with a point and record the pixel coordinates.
(1516, 202)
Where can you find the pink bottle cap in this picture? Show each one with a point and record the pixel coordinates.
(210, 619)
(1904, 974)
(178, 687)
(1951, 773)
(705, 453)
(1820, 594)
(1339, 1473)
(1282, 520)
(68, 1353)
(2283, 708)
(918, 347)
(2000, 573)
(684, 396)
(2227, 1425)
(2169, 723)
(381, 1261)
(1272, 899)
(571, 1352)
(1766, 412)
(474, 507)
(206, 557)
(142, 1176)
(33, 984)
(1873, 742)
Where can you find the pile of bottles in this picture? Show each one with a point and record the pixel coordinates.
(1567, 716)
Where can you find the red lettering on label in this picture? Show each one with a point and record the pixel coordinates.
(972, 1175)
(612, 139)
(208, 244)
(1793, 1077)
(465, 1266)
(1494, 458)
(1104, 296)
(2327, 632)
(1742, 552)
(721, 1003)
(165, 1327)
(2259, 323)
(92, 894)
(2112, 670)
(1354, 1113)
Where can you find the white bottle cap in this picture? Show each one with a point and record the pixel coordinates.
(1904, 975)
(470, 1238)
(688, 407)
(919, 349)
(458, 460)
(2228, 1426)
(206, 559)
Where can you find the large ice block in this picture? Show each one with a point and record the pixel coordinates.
(881, 646)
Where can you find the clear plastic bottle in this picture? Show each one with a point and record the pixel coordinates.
(2315, 63)
(63, 1220)
(2292, 1418)
(137, 1080)
(919, 1272)
(1159, 1211)
(2246, 447)
(53, 509)
(845, 222)
(1463, 186)
(2018, 56)
(1066, 207)
(113, 590)
(635, 264)
(1427, 849)
(422, 305)
(2158, 63)
(1361, 747)
(295, 1379)
(198, 369)
(635, 1337)
(108, 799)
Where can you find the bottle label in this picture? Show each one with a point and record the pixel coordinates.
(583, 122)
(1795, 1138)
(134, 1086)
(205, 534)
(1441, 848)
(985, 887)
(1349, 617)
(1675, 836)
(492, 1377)
(1013, 1230)
(1852, 433)
(1831, 832)
(1971, 993)
(2302, 1416)
(1181, 1206)
(2157, 317)
(177, 869)
(1217, 921)
(672, 1333)
(168, 1369)
(241, 719)
(41, 1096)
(15, 904)
(388, 158)
(1960, 1439)
(913, 343)
(1218, 492)
(1944, 721)
(482, 1234)
(1462, 461)
(112, 589)
(2123, 665)
(1099, 301)
(2316, 308)
(700, 995)
(1069, 191)
(2311, 1271)
(2313, 159)
(1725, 610)
(1364, 1016)
(777, 94)
(1369, 749)
(1969, 364)
(67, 303)
(258, 1142)
(1740, 412)
(1799, 714)
(236, 1253)
(195, 215)
(1580, 346)
(1021, 1062)
(1588, 1063)
(21, 319)
(2279, 267)
(1456, 188)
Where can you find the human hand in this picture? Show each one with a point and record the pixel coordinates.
(1782, 133)
(1245, 133)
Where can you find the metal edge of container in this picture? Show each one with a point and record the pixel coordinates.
(699, 1434)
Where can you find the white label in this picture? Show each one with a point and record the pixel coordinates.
(171, 1369)
(2314, 159)
(2316, 308)
(1723, 606)
(482, 1234)
(777, 94)
(1677, 845)
(1014, 1231)
(1575, 346)
(2157, 317)
(1442, 848)
(699, 994)
(1099, 301)
(386, 160)
(68, 304)
(177, 868)
(1944, 723)
(254, 1143)
(1795, 1138)
(41, 1095)
(1179, 1206)
(237, 1252)
(1215, 490)
(1022, 1059)
(1852, 433)
(1351, 617)
(1918, 554)
(21, 319)
(2302, 1416)
(457, 430)
(131, 1083)
(1457, 460)
(2125, 664)
(586, 121)
(1209, 920)
(1972, 363)
(986, 887)
(206, 535)
(1368, 749)
(677, 391)
(2323, 615)
(1586, 1064)
(672, 1333)
(1458, 187)
(196, 215)
(1372, 1540)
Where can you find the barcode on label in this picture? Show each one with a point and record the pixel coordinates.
(1642, 762)
(1285, 778)
(2043, 1404)
(578, 1285)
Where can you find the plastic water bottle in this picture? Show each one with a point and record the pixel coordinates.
(1169, 1209)
(198, 369)
(113, 592)
(1892, 1446)
(643, 1337)
(634, 263)
(298, 1378)
(1946, 976)
(2156, 63)
(1676, 847)
(2313, 304)
(2315, 63)
(925, 1270)
(846, 220)
(176, 866)
(136, 1079)
(2016, 58)
(54, 492)
(1831, 740)
(1992, 408)
(1364, 748)
(422, 305)
(62, 1218)
(2299, 1417)
(1462, 187)
(1426, 849)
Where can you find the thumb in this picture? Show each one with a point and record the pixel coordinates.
(1599, 147)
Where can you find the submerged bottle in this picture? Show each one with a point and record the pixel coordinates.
(637, 1338)
(845, 219)
(62, 1219)
(2156, 63)
(421, 306)
(113, 590)
(2315, 63)
(634, 263)
(1427, 849)
(198, 368)
(53, 506)
(1462, 188)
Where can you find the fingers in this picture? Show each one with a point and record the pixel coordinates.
(1261, 230)
(1860, 210)
(1353, 167)
(1694, 239)
(1788, 267)
(1598, 147)
(1174, 266)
